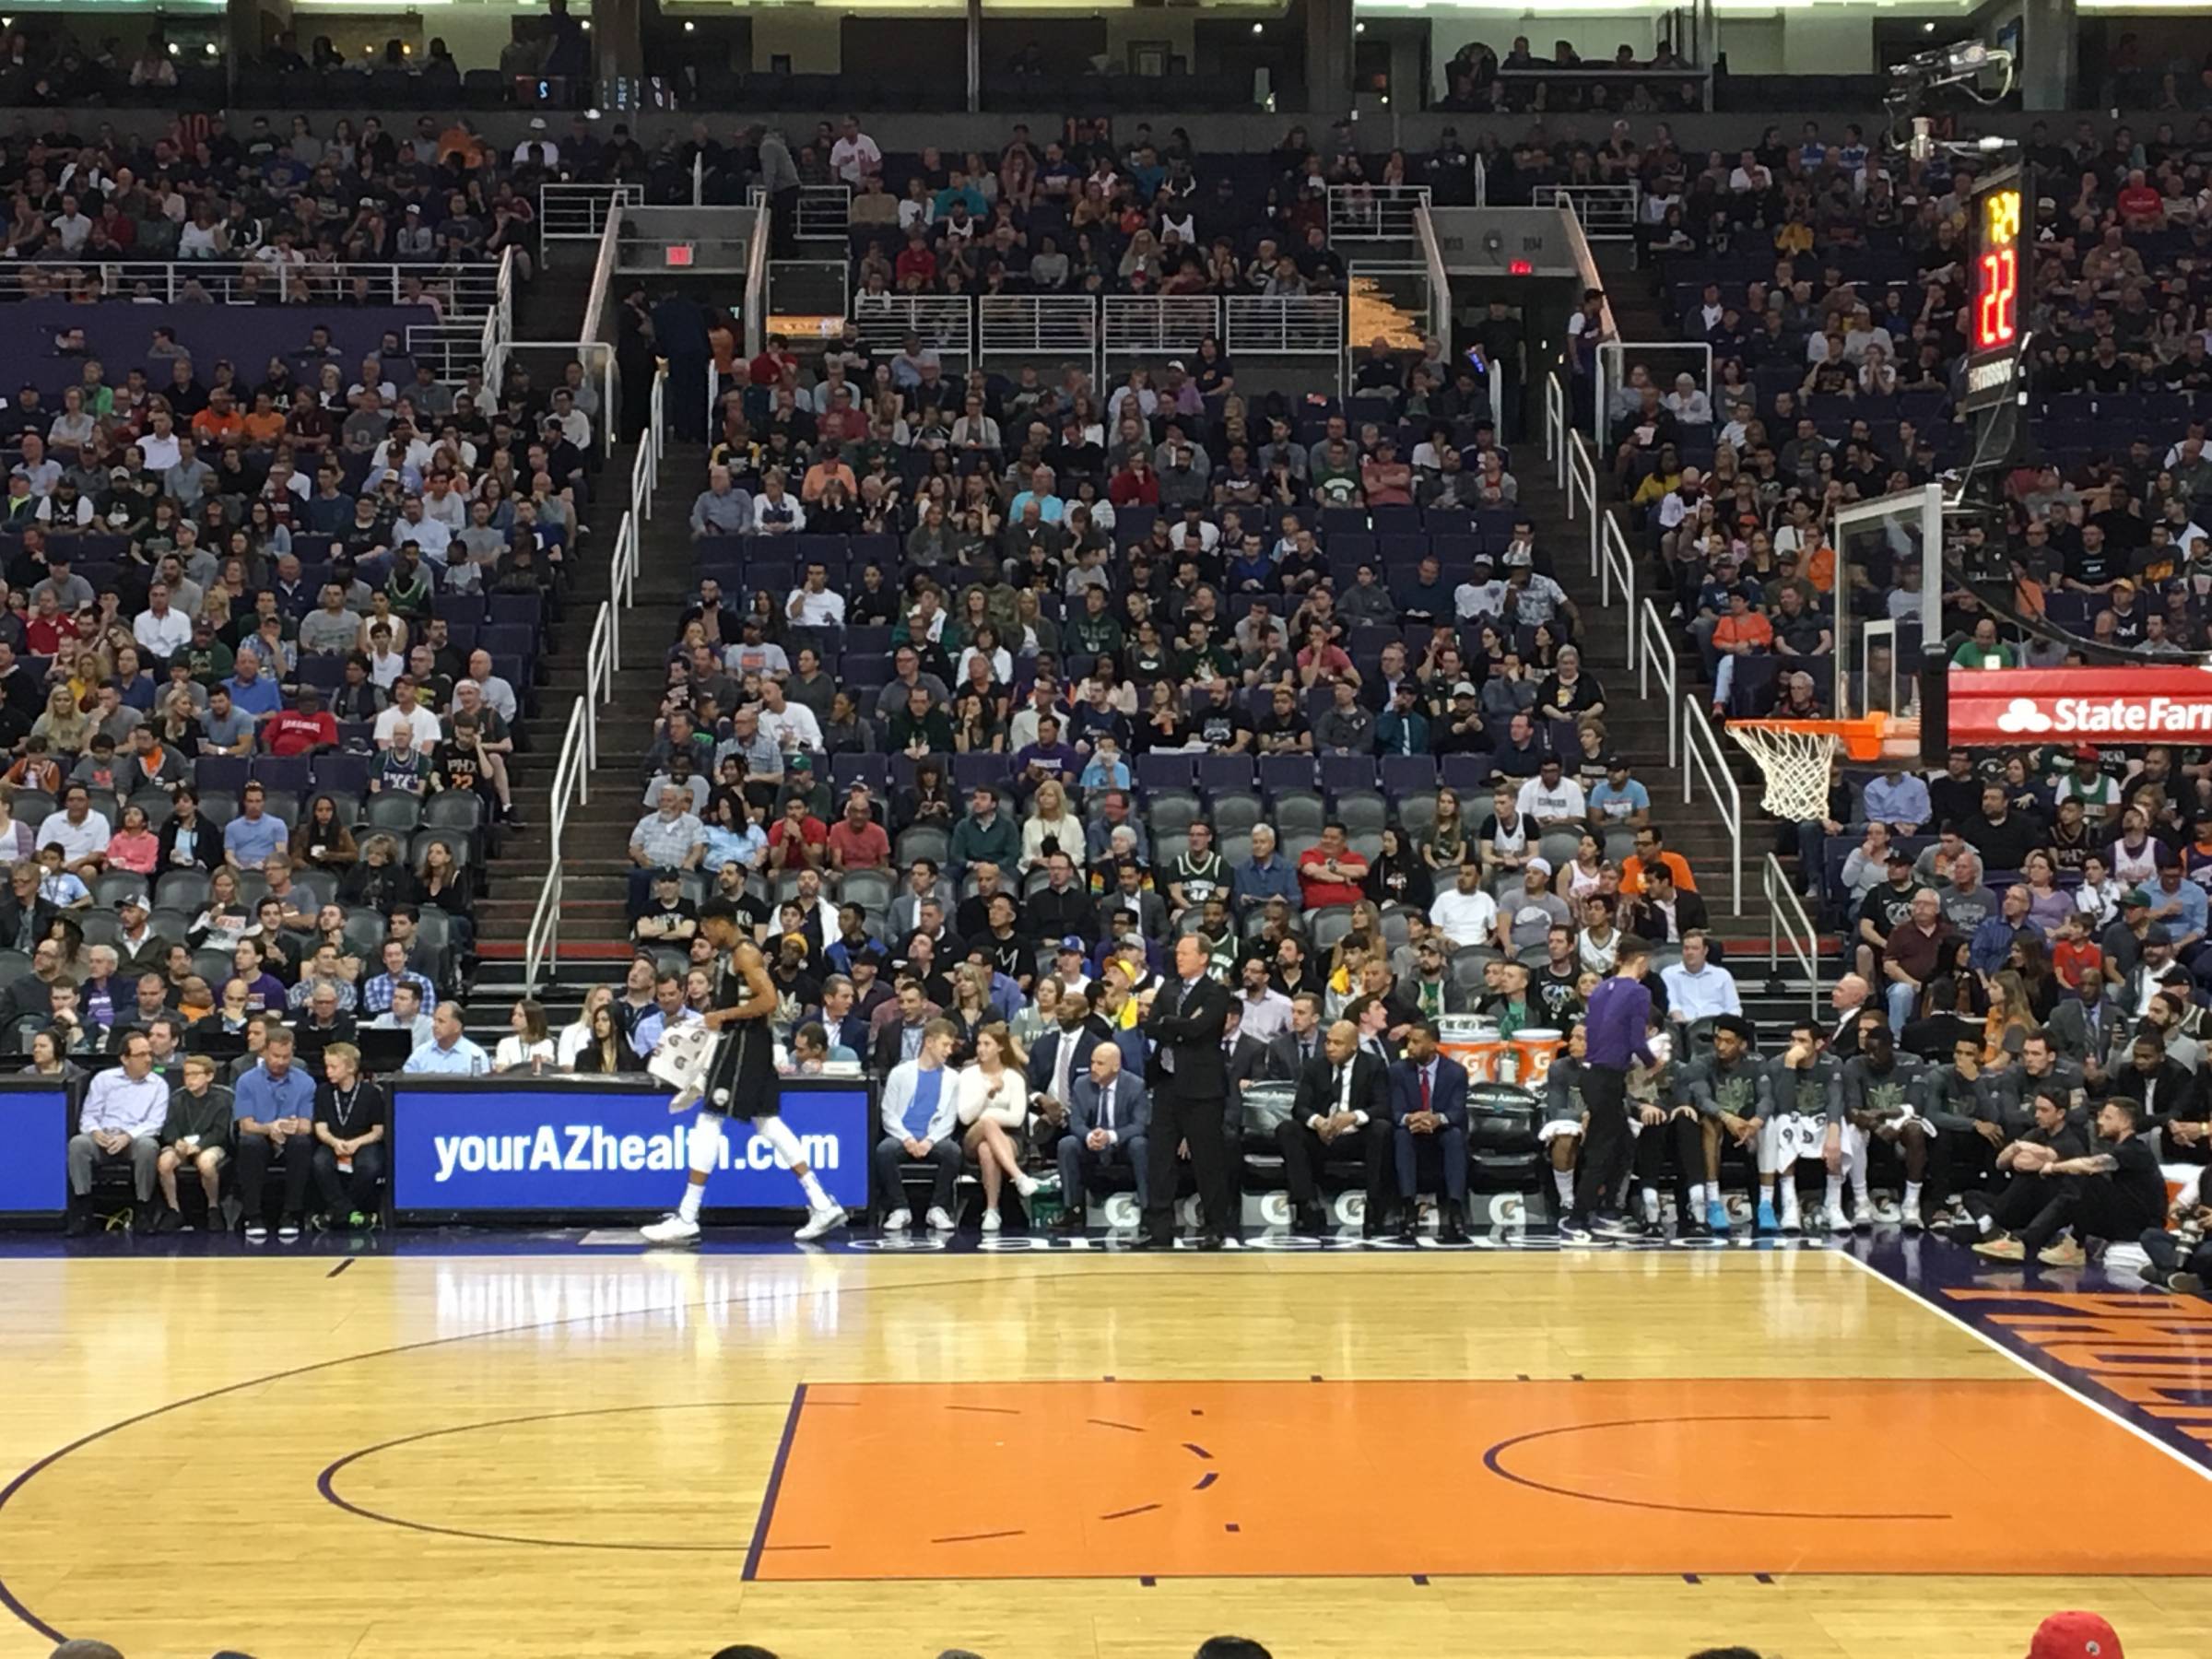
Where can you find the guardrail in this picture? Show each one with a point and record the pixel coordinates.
(1653, 654)
(582, 212)
(1057, 325)
(1582, 482)
(1555, 431)
(1606, 212)
(461, 292)
(1613, 363)
(646, 469)
(1440, 279)
(825, 211)
(1373, 212)
(1156, 324)
(1702, 759)
(1615, 566)
(1801, 937)
(944, 322)
(1299, 325)
(572, 789)
(756, 290)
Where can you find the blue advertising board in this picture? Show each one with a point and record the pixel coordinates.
(34, 1170)
(548, 1145)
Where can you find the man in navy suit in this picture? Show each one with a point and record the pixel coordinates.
(1107, 1114)
(1428, 1125)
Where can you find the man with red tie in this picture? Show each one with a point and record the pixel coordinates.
(1428, 1125)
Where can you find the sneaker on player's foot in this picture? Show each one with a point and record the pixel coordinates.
(2001, 1250)
(940, 1222)
(1835, 1219)
(288, 1229)
(2185, 1284)
(820, 1221)
(1910, 1218)
(671, 1228)
(991, 1221)
(1863, 1215)
(897, 1220)
(1574, 1231)
(1716, 1217)
(1765, 1221)
(2066, 1253)
(257, 1232)
(1616, 1227)
(1792, 1219)
(1025, 1184)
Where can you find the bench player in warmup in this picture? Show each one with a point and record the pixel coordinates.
(741, 1082)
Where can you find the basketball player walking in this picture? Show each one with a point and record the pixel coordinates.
(741, 1083)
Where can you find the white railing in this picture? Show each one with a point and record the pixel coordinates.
(572, 789)
(1606, 212)
(1373, 212)
(825, 211)
(1581, 484)
(1613, 367)
(646, 469)
(1440, 280)
(1654, 658)
(944, 322)
(1060, 325)
(621, 587)
(1803, 940)
(1482, 181)
(1299, 325)
(756, 290)
(499, 328)
(582, 212)
(1615, 567)
(1702, 760)
(1555, 430)
(1154, 324)
(460, 291)
(456, 345)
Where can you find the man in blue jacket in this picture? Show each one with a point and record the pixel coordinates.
(1429, 1127)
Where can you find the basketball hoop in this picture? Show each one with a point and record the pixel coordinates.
(1795, 756)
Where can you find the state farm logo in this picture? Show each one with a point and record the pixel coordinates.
(2153, 716)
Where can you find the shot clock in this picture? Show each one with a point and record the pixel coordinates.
(1993, 369)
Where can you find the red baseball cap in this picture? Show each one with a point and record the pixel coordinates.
(2075, 1636)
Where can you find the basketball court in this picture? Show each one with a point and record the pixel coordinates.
(1045, 1454)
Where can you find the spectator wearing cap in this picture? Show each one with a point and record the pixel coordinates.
(138, 949)
(1460, 729)
(1618, 800)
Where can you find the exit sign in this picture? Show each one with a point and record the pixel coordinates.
(679, 253)
(1520, 268)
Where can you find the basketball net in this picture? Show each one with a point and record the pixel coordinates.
(1796, 764)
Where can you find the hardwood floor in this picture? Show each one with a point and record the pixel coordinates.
(1053, 1457)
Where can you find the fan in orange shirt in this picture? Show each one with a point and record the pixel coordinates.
(1742, 633)
(221, 420)
(1651, 849)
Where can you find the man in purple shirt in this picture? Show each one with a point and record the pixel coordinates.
(1613, 1037)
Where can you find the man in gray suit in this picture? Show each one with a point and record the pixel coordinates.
(2088, 1028)
(1108, 1114)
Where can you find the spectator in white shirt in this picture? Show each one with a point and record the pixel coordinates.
(1690, 406)
(497, 693)
(855, 156)
(790, 726)
(1697, 987)
(812, 604)
(1466, 914)
(160, 628)
(1553, 799)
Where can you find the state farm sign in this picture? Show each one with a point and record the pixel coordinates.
(2152, 703)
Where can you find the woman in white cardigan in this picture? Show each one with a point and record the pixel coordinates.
(994, 1107)
(1054, 825)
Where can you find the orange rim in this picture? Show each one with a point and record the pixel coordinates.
(1861, 738)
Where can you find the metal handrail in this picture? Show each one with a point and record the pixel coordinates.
(580, 212)
(1606, 212)
(571, 788)
(1582, 474)
(463, 291)
(646, 469)
(1655, 659)
(1803, 939)
(1702, 758)
(1440, 278)
(1555, 429)
(1373, 212)
(1615, 565)
(755, 288)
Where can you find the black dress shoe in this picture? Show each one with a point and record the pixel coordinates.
(1314, 1221)
(1213, 1241)
(79, 1222)
(1452, 1231)
(1145, 1241)
(1072, 1224)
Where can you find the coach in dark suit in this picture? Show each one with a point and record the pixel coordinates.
(1343, 1104)
(1189, 1079)
(1108, 1115)
(1428, 1125)
(1298, 1044)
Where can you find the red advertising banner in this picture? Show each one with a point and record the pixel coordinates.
(2161, 702)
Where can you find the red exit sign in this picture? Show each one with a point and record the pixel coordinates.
(679, 253)
(1520, 268)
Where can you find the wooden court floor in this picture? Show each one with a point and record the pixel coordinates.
(1055, 1457)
